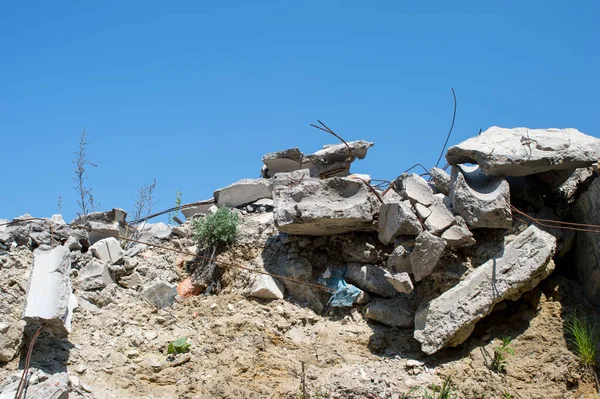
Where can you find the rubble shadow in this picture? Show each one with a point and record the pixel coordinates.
(50, 352)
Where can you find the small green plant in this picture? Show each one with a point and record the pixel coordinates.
(506, 395)
(584, 339)
(440, 392)
(501, 353)
(174, 214)
(218, 229)
(178, 346)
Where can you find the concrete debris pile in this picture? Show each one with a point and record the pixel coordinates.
(431, 255)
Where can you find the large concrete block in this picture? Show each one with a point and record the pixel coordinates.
(396, 219)
(50, 299)
(245, 191)
(449, 319)
(108, 250)
(522, 151)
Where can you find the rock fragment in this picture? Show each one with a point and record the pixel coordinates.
(266, 287)
(108, 250)
(104, 224)
(243, 192)
(426, 254)
(440, 180)
(440, 218)
(458, 236)
(414, 188)
(160, 294)
(93, 276)
(481, 200)
(391, 312)
(522, 151)
(396, 219)
(449, 319)
(369, 278)
(401, 282)
(399, 260)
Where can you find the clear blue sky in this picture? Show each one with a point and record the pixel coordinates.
(193, 93)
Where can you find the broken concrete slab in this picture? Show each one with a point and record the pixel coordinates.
(414, 188)
(243, 192)
(458, 236)
(108, 250)
(392, 312)
(397, 219)
(481, 200)
(201, 208)
(282, 162)
(440, 218)
(132, 280)
(449, 319)
(401, 282)
(324, 207)
(290, 179)
(93, 276)
(422, 211)
(333, 160)
(266, 287)
(104, 224)
(399, 260)
(522, 151)
(369, 278)
(160, 294)
(440, 180)
(426, 254)
(50, 299)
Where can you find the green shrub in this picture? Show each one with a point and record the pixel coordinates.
(500, 355)
(217, 229)
(584, 338)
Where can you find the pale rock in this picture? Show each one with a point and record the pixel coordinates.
(333, 160)
(426, 254)
(49, 296)
(440, 180)
(200, 209)
(160, 294)
(290, 178)
(324, 207)
(104, 224)
(401, 282)
(369, 278)
(440, 218)
(392, 312)
(399, 260)
(245, 191)
(422, 211)
(93, 276)
(266, 202)
(282, 162)
(481, 200)
(108, 250)
(132, 280)
(396, 219)
(458, 236)
(522, 151)
(361, 177)
(414, 188)
(449, 319)
(11, 338)
(266, 287)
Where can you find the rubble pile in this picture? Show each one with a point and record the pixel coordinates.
(429, 257)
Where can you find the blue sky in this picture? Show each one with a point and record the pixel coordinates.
(193, 93)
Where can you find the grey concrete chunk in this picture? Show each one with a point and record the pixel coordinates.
(243, 192)
(266, 287)
(290, 178)
(422, 211)
(104, 224)
(369, 278)
(49, 295)
(200, 209)
(396, 219)
(161, 294)
(94, 276)
(426, 254)
(108, 250)
(391, 312)
(522, 151)
(11, 338)
(458, 236)
(440, 219)
(324, 207)
(481, 200)
(440, 180)
(132, 280)
(401, 282)
(399, 260)
(449, 319)
(282, 161)
(414, 188)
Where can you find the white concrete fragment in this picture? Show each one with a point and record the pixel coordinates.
(266, 287)
(396, 219)
(440, 219)
(49, 295)
(481, 200)
(422, 211)
(458, 236)
(449, 319)
(201, 209)
(440, 180)
(369, 278)
(414, 188)
(243, 192)
(94, 276)
(392, 312)
(426, 254)
(103, 224)
(401, 282)
(399, 260)
(522, 151)
(324, 207)
(108, 250)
